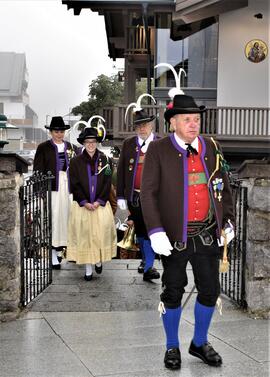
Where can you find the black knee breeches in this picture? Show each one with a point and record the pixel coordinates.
(205, 265)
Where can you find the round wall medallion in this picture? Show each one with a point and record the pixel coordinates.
(256, 50)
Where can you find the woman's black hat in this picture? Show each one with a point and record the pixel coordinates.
(57, 124)
(141, 116)
(89, 133)
(182, 104)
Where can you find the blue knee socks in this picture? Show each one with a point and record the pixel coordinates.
(149, 255)
(171, 321)
(203, 315)
(141, 241)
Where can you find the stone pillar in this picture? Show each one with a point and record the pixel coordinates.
(256, 176)
(9, 245)
(10, 260)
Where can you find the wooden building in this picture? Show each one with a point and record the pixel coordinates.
(208, 38)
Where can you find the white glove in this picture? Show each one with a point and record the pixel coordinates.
(121, 204)
(160, 243)
(229, 231)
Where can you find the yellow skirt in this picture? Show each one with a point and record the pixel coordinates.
(91, 235)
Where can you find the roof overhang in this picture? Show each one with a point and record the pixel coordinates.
(101, 6)
(115, 14)
(191, 16)
(196, 10)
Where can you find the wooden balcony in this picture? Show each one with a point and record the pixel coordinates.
(239, 130)
(136, 40)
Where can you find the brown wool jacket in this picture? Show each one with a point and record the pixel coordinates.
(127, 167)
(87, 186)
(164, 191)
(46, 159)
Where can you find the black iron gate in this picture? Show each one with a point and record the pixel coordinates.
(233, 282)
(35, 218)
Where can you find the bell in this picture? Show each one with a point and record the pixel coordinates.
(128, 239)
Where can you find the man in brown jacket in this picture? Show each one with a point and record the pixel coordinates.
(129, 173)
(187, 203)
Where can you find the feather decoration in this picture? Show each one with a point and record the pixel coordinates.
(74, 130)
(177, 89)
(100, 127)
(137, 105)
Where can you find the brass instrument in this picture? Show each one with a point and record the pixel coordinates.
(127, 242)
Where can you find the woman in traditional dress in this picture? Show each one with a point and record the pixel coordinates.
(91, 230)
(54, 155)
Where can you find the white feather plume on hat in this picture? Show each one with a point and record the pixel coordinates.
(74, 130)
(137, 105)
(176, 90)
(100, 127)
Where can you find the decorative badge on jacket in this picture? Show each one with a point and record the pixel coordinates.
(218, 187)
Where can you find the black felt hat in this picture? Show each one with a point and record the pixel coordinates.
(182, 104)
(89, 133)
(57, 124)
(141, 117)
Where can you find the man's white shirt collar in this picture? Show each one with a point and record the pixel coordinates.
(182, 143)
(147, 142)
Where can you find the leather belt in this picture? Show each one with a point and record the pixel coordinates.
(197, 229)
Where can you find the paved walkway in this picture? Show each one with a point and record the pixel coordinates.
(110, 327)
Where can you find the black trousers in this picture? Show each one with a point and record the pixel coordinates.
(135, 210)
(205, 265)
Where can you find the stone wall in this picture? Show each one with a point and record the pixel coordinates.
(10, 278)
(258, 237)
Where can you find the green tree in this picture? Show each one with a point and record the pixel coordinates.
(104, 91)
(141, 87)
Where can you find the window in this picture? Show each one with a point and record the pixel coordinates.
(197, 54)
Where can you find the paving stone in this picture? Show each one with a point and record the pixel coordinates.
(240, 329)
(115, 289)
(194, 370)
(138, 359)
(111, 327)
(39, 356)
(24, 329)
(253, 346)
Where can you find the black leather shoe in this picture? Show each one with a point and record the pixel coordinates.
(172, 359)
(98, 269)
(151, 274)
(56, 266)
(88, 277)
(141, 267)
(206, 353)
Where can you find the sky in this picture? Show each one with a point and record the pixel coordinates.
(64, 53)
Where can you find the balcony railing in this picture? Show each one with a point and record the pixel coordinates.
(220, 121)
(243, 121)
(136, 40)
